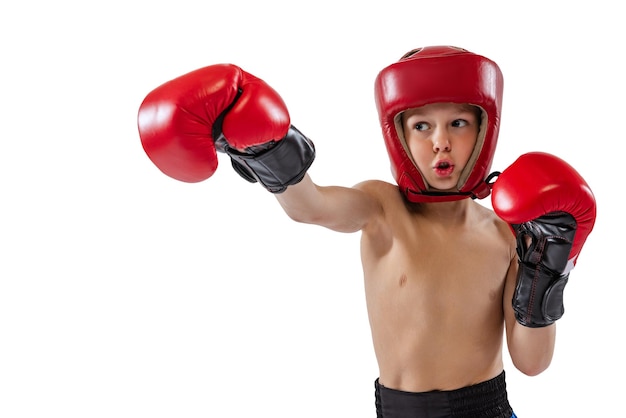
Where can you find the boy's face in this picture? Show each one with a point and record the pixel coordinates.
(441, 138)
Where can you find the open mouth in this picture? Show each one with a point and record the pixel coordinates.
(444, 168)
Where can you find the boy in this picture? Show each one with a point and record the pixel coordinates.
(440, 270)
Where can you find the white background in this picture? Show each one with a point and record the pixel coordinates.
(124, 293)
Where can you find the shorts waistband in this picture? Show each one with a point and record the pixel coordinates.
(486, 399)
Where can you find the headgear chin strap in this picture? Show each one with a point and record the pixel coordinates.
(438, 74)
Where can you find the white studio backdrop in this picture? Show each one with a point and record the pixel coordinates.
(125, 293)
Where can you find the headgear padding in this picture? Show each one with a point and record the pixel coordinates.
(438, 74)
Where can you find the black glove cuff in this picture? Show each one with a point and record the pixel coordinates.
(282, 164)
(538, 297)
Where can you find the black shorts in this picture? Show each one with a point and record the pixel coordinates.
(487, 399)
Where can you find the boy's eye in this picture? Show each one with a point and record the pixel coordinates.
(421, 126)
(459, 123)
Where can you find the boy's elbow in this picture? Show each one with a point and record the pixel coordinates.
(302, 217)
(532, 367)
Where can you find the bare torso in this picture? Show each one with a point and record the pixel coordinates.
(434, 288)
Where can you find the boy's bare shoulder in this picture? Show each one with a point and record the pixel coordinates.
(387, 195)
(377, 187)
(488, 218)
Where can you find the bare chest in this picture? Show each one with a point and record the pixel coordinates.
(437, 272)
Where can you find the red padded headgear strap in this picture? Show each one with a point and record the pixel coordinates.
(437, 74)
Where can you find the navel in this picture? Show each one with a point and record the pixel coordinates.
(402, 280)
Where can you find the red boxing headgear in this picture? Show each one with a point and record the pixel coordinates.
(438, 74)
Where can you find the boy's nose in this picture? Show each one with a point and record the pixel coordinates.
(441, 141)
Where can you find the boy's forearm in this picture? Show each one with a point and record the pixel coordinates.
(341, 209)
(301, 201)
(532, 349)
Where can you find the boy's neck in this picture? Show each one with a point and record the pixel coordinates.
(454, 212)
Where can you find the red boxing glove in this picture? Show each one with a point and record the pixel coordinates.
(183, 122)
(551, 210)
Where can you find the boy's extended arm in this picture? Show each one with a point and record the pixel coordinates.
(184, 122)
(341, 209)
